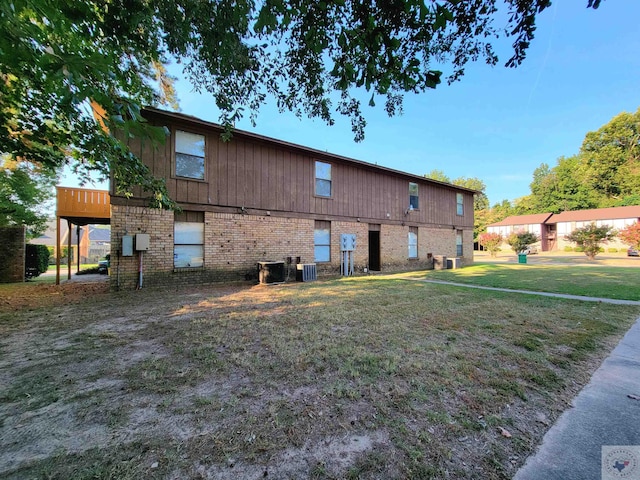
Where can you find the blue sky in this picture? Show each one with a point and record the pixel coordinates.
(497, 124)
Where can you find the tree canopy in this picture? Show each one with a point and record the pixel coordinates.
(25, 190)
(605, 172)
(315, 58)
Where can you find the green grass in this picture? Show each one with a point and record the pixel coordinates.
(250, 380)
(597, 281)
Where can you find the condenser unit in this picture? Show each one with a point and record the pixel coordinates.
(271, 272)
(306, 272)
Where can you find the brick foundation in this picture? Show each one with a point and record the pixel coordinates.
(235, 243)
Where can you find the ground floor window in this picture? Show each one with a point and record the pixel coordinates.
(188, 239)
(459, 243)
(322, 241)
(413, 242)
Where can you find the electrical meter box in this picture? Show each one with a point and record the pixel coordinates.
(142, 242)
(127, 246)
(347, 242)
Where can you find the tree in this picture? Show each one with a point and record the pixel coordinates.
(605, 173)
(480, 199)
(519, 241)
(315, 58)
(490, 242)
(631, 235)
(611, 158)
(438, 175)
(590, 237)
(25, 191)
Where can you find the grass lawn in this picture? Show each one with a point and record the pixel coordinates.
(362, 378)
(597, 281)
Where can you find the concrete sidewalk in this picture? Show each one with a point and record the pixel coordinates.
(532, 292)
(602, 414)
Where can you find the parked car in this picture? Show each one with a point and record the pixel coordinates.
(103, 265)
(632, 252)
(531, 250)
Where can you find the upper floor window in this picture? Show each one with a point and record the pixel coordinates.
(459, 203)
(189, 155)
(414, 202)
(323, 179)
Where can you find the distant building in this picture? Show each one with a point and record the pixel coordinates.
(552, 228)
(92, 247)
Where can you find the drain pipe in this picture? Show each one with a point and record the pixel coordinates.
(140, 271)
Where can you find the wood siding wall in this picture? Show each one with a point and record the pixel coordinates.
(259, 175)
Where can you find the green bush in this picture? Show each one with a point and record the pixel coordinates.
(37, 260)
(612, 250)
(579, 249)
(567, 248)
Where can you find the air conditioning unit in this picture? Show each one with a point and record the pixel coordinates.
(306, 272)
(454, 263)
(271, 272)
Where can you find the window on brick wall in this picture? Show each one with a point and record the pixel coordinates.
(459, 243)
(459, 204)
(322, 241)
(188, 239)
(414, 199)
(190, 148)
(323, 179)
(413, 242)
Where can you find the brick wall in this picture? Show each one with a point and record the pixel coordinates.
(235, 243)
(12, 254)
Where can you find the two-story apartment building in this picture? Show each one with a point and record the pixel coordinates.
(255, 199)
(553, 228)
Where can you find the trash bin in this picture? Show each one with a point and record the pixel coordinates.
(522, 258)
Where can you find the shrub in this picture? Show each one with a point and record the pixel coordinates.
(589, 238)
(490, 242)
(631, 235)
(37, 260)
(519, 241)
(567, 248)
(612, 250)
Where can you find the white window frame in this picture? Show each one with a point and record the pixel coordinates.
(322, 242)
(459, 243)
(459, 204)
(188, 242)
(412, 242)
(414, 200)
(323, 179)
(190, 148)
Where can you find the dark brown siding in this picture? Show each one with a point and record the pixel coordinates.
(259, 176)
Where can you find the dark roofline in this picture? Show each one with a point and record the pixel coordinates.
(307, 150)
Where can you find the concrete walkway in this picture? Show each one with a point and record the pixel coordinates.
(606, 412)
(531, 292)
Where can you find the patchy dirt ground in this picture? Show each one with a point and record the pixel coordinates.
(357, 379)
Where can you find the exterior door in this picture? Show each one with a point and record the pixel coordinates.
(374, 250)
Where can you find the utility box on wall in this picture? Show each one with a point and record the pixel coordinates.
(127, 246)
(142, 242)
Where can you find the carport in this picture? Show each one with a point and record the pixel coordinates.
(79, 207)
